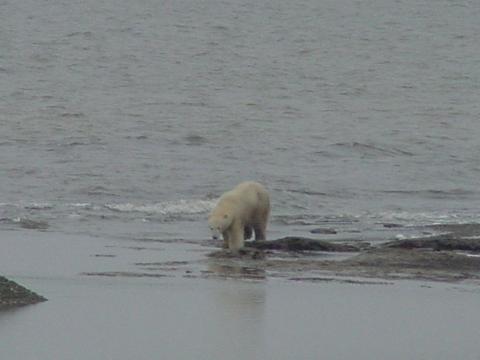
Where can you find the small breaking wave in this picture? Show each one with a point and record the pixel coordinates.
(25, 223)
(371, 150)
(305, 219)
(28, 205)
(388, 218)
(34, 215)
(415, 218)
(38, 206)
(176, 207)
(435, 194)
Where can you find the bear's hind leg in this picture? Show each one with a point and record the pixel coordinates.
(259, 233)
(248, 232)
(260, 226)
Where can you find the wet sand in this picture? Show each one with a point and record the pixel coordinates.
(147, 298)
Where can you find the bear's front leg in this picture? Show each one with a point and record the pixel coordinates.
(235, 237)
(225, 240)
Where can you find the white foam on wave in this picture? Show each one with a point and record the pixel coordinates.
(38, 206)
(415, 218)
(402, 236)
(476, 237)
(28, 205)
(471, 255)
(176, 207)
(81, 205)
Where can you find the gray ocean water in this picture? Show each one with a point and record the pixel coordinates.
(122, 116)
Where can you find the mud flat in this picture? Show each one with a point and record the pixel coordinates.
(12, 294)
(453, 255)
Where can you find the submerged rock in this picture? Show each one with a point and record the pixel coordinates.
(392, 225)
(401, 259)
(442, 242)
(33, 224)
(12, 294)
(245, 253)
(295, 243)
(465, 237)
(324, 231)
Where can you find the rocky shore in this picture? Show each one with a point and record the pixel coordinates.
(452, 255)
(12, 294)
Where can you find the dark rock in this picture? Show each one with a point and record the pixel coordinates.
(441, 242)
(12, 294)
(294, 243)
(392, 225)
(401, 259)
(33, 224)
(325, 231)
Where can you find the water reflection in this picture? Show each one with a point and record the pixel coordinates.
(239, 317)
(236, 271)
(9, 312)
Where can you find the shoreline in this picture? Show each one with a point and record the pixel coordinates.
(452, 256)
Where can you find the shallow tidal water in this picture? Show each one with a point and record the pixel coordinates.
(122, 122)
(183, 315)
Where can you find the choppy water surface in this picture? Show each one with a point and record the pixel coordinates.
(363, 109)
(126, 119)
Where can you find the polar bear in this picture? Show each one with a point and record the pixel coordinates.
(240, 212)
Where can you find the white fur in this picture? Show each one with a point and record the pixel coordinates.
(238, 211)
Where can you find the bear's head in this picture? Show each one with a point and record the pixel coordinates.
(218, 224)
